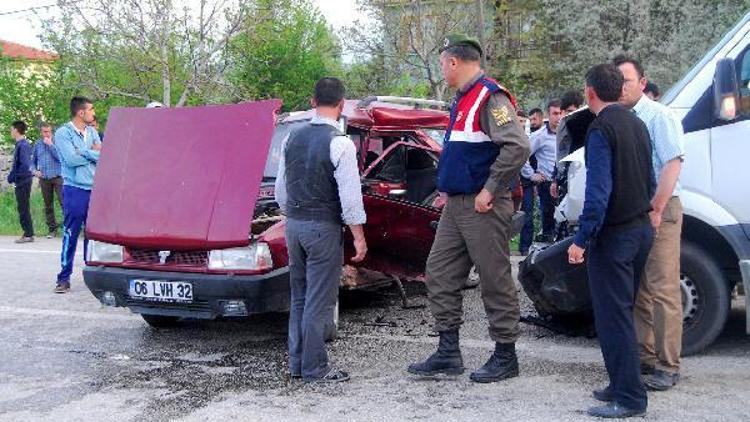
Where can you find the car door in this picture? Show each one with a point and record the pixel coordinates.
(400, 221)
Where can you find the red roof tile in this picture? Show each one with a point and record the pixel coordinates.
(19, 51)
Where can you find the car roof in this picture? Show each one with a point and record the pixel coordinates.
(382, 116)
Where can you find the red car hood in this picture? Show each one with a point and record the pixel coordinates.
(181, 178)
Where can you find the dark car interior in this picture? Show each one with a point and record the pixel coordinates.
(413, 167)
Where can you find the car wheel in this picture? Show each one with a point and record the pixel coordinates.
(705, 299)
(473, 280)
(160, 321)
(332, 328)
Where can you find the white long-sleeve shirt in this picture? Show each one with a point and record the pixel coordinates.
(346, 173)
(543, 145)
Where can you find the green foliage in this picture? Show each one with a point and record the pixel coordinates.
(288, 50)
(564, 39)
(28, 92)
(9, 224)
(114, 68)
(367, 78)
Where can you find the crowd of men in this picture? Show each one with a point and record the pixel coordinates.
(65, 166)
(629, 228)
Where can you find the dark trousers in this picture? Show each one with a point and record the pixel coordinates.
(50, 188)
(547, 211)
(75, 210)
(23, 198)
(527, 206)
(316, 256)
(616, 259)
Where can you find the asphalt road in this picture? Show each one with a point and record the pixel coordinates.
(66, 358)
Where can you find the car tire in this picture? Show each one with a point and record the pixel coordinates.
(702, 284)
(160, 321)
(332, 328)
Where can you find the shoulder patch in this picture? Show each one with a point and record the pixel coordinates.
(501, 115)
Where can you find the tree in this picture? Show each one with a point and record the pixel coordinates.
(561, 40)
(134, 51)
(289, 48)
(28, 92)
(405, 37)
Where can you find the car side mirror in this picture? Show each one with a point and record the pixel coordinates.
(726, 90)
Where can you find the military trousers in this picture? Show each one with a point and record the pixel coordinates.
(465, 238)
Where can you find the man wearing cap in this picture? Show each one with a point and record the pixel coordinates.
(484, 149)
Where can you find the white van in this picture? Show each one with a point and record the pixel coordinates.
(713, 102)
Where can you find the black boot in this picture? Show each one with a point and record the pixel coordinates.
(502, 364)
(446, 360)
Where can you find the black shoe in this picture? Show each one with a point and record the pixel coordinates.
(605, 395)
(62, 288)
(614, 410)
(334, 375)
(503, 364)
(446, 360)
(295, 376)
(661, 380)
(647, 369)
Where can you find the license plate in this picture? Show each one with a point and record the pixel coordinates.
(162, 291)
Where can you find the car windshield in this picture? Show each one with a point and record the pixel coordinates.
(274, 152)
(438, 135)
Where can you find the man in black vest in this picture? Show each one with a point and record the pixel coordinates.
(318, 188)
(616, 229)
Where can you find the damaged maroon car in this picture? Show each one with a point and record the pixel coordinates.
(183, 223)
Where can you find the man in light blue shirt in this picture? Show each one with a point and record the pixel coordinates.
(78, 145)
(658, 308)
(537, 175)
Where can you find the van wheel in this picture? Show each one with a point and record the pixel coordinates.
(160, 321)
(332, 328)
(705, 299)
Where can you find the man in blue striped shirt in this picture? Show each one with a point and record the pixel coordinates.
(46, 165)
(658, 308)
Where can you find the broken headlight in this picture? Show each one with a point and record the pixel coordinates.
(257, 256)
(103, 252)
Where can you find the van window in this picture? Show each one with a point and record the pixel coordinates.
(743, 72)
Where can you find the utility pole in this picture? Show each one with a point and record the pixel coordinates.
(482, 39)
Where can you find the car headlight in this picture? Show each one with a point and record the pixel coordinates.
(103, 252)
(257, 256)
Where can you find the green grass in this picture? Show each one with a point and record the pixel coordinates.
(9, 225)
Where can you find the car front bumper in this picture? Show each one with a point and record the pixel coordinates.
(211, 292)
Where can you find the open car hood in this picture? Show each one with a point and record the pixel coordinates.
(181, 178)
